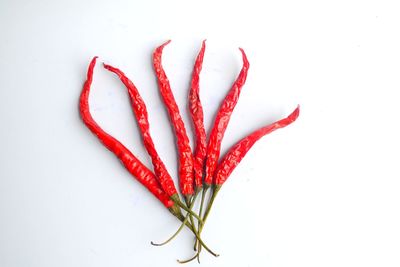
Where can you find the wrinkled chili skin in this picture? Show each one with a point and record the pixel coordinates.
(222, 120)
(185, 156)
(196, 113)
(140, 112)
(131, 163)
(240, 149)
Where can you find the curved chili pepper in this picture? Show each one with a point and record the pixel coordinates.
(240, 149)
(236, 154)
(185, 153)
(131, 163)
(140, 111)
(222, 120)
(196, 113)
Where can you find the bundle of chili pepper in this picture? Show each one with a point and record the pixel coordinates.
(216, 175)
(198, 172)
(162, 186)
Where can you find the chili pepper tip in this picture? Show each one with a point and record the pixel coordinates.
(164, 44)
(108, 67)
(244, 56)
(295, 114)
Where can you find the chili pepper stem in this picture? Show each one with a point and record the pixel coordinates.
(182, 219)
(177, 213)
(178, 202)
(180, 227)
(203, 195)
(197, 236)
(196, 244)
(190, 202)
(174, 235)
(189, 199)
(198, 240)
(216, 189)
(198, 254)
(188, 260)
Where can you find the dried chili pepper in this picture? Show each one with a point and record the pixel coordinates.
(233, 158)
(240, 149)
(196, 113)
(140, 111)
(191, 167)
(131, 163)
(222, 120)
(237, 152)
(185, 153)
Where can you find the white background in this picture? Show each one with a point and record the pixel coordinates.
(322, 192)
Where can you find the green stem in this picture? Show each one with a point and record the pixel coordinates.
(198, 253)
(209, 206)
(188, 260)
(200, 240)
(178, 202)
(215, 191)
(190, 205)
(177, 213)
(174, 235)
(203, 195)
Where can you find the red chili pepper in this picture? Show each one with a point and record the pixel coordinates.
(222, 120)
(240, 149)
(196, 113)
(236, 154)
(140, 111)
(185, 153)
(131, 163)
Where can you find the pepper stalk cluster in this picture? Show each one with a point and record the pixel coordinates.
(201, 171)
